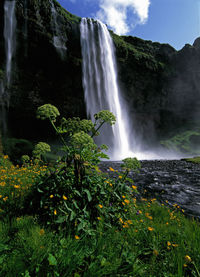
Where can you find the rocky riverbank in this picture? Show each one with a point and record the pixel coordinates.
(169, 181)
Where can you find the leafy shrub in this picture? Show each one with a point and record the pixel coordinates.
(15, 148)
(75, 195)
(59, 202)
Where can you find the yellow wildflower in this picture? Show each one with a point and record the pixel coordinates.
(168, 243)
(153, 200)
(42, 232)
(111, 169)
(5, 157)
(77, 237)
(100, 206)
(123, 203)
(16, 186)
(134, 187)
(127, 201)
(121, 220)
(5, 198)
(0, 196)
(188, 259)
(99, 218)
(174, 245)
(185, 265)
(155, 252)
(148, 216)
(110, 185)
(150, 229)
(123, 196)
(120, 177)
(64, 197)
(55, 212)
(51, 196)
(144, 199)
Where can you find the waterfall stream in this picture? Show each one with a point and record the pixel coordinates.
(101, 87)
(9, 36)
(57, 39)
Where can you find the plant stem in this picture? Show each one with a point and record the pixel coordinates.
(61, 137)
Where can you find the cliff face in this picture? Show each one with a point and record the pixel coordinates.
(160, 84)
(43, 73)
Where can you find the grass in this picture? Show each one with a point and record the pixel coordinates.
(193, 160)
(154, 241)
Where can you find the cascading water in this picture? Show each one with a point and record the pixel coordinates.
(57, 40)
(100, 84)
(9, 36)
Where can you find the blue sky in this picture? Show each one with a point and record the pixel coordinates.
(176, 22)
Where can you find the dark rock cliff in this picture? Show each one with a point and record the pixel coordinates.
(40, 73)
(160, 84)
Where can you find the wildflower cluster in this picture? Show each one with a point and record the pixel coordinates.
(15, 183)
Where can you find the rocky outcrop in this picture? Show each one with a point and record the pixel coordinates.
(160, 84)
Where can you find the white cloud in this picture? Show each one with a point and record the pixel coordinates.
(114, 13)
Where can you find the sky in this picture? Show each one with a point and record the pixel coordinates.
(176, 22)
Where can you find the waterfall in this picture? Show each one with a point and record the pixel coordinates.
(9, 36)
(57, 40)
(100, 85)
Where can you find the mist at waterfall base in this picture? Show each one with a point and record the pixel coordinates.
(102, 92)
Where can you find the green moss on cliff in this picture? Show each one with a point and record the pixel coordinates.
(186, 142)
(71, 17)
(195, 160)
(145, 54)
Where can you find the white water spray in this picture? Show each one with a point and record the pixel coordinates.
(57, 40)
(100, 84)
(9, 36)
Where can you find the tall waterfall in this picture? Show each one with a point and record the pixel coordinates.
(9, 36)
(57, 39)
(100, 85)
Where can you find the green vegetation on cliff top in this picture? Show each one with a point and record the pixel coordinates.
(125, 49)
(71, 17)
